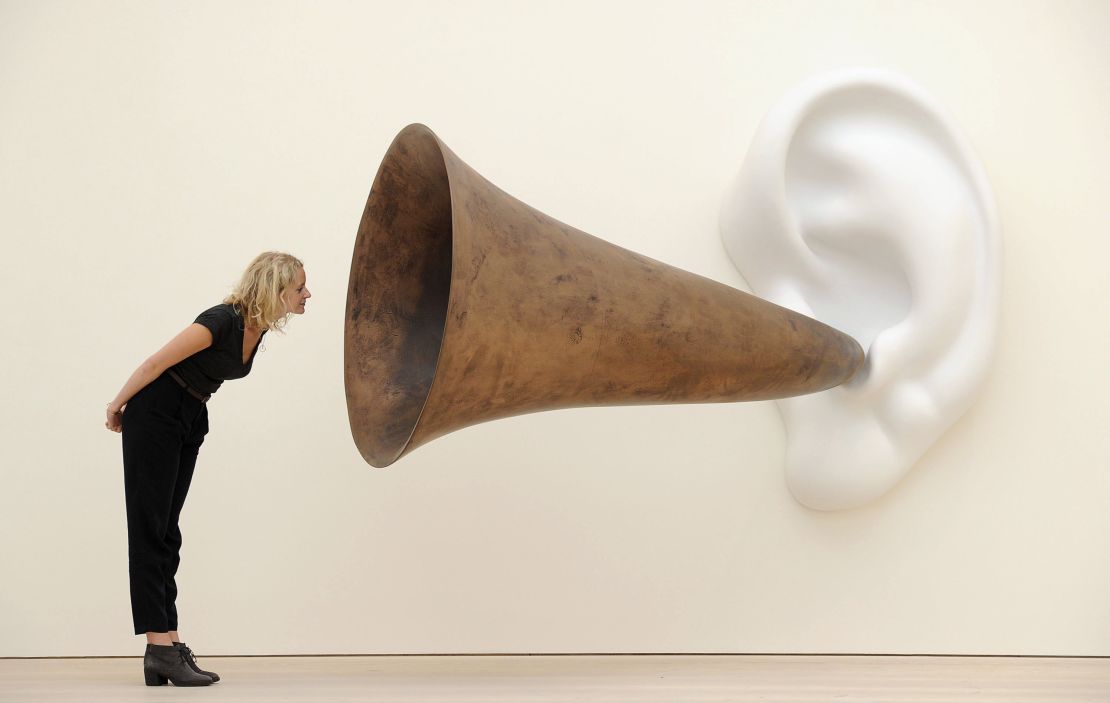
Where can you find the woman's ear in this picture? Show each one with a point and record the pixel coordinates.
(860, 205)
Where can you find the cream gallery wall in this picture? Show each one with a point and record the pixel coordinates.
(150, 150)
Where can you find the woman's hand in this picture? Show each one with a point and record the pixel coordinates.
(115, 419)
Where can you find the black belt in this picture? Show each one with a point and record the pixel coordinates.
(181, 382)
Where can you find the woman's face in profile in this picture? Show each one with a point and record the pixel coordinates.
(295, 295)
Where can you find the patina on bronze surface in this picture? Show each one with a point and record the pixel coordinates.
(466, 305)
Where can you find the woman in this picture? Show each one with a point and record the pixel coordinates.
(161, 412)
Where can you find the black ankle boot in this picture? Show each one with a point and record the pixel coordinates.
(166, 662)
(191, 659)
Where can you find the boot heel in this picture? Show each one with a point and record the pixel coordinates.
(153, 678)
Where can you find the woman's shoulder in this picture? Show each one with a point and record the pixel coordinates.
(220, 315)
(221, 310)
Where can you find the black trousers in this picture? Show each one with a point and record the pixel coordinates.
(163, 428)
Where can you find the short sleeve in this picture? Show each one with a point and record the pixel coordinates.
(217, 322)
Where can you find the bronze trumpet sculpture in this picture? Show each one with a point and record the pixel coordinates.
(466, 305)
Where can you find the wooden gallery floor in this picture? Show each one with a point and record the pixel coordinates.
(683, 678)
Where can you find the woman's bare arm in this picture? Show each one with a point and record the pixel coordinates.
(189, 341)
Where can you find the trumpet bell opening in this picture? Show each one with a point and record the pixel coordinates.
(398, 295)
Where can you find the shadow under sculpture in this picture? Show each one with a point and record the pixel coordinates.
(465, 305)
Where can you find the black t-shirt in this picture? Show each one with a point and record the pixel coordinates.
(223, 361)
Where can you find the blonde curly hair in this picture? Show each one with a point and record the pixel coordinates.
(257, 296)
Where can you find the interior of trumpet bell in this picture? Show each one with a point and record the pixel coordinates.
(397, 295)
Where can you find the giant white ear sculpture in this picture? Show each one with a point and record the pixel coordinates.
(860, 204)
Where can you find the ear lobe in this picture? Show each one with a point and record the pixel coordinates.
(860, 205)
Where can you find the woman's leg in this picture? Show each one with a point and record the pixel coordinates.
(188, 459)
(186, 463)
(150, 463)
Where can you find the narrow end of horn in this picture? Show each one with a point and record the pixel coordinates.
(850, 359)
(397, 296)
(824, 357)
